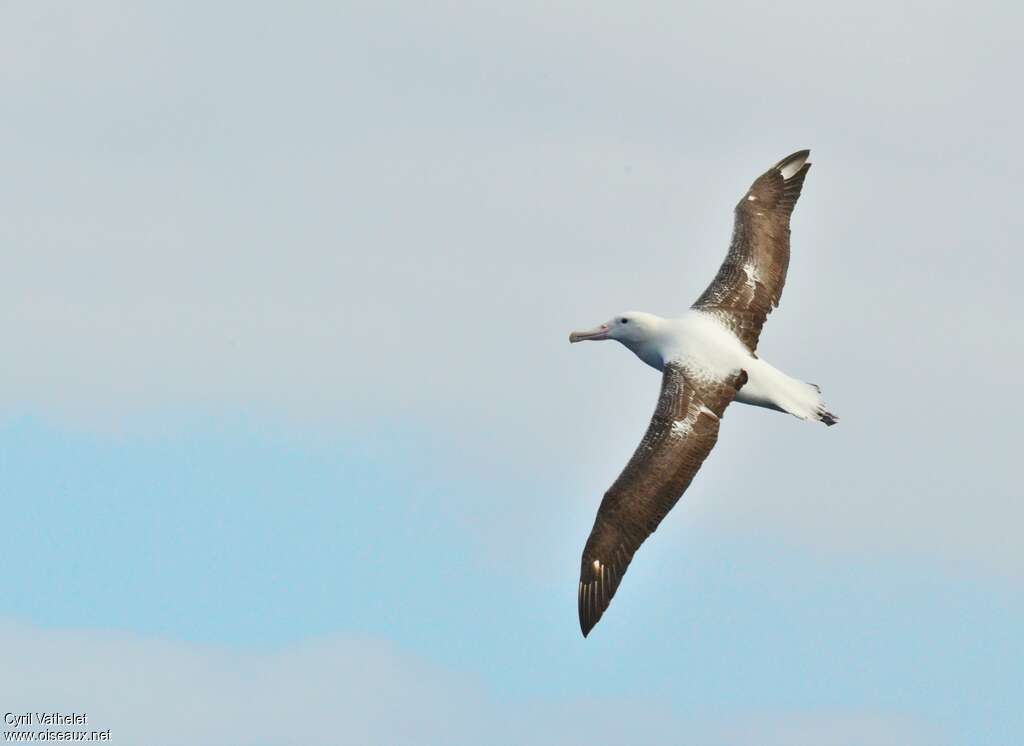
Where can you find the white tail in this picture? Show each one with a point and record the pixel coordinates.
(768, 386)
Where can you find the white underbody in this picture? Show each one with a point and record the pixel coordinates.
(707, 348)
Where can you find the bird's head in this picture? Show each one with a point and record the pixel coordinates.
(630, 328)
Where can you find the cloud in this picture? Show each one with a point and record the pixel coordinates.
(827, 730)
(162, 692)
(353, 691)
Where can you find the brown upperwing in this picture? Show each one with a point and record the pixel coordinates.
(682, 432)
(749, 282)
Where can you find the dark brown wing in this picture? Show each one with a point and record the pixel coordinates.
(682, 432)
(749, 282)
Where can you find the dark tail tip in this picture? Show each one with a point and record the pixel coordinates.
(828, 418)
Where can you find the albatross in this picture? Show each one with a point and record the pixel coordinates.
(707, 358)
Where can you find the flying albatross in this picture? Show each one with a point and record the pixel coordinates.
(708, 358)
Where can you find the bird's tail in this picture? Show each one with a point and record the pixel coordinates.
(815, 407)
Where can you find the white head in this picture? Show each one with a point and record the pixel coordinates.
(631, 328)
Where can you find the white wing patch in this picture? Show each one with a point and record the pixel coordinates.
(750, 270)
(790, 169)
(682, 428)
(705, 410)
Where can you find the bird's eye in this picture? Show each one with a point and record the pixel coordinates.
(624, 321)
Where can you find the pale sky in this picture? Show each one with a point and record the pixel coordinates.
(288, 390)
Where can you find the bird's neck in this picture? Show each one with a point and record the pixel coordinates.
(651, 349)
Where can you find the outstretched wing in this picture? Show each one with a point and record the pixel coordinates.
(749, 282)
(682, 432)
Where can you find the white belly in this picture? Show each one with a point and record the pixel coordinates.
(704, 344)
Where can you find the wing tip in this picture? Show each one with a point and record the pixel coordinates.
(793, 163)
(598, 583)
(588, 614)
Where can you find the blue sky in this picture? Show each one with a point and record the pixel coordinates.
(291, 437)
(230, 533)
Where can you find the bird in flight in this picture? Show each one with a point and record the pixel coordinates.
(708, 358)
